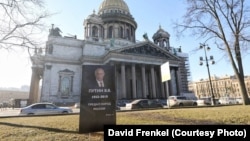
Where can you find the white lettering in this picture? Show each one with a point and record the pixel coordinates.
(156, 132)
(226, 133)
(99, 90)
(126, 132)
(179, 132)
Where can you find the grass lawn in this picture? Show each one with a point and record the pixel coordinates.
(65, 128)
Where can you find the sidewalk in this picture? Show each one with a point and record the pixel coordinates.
(9, 112)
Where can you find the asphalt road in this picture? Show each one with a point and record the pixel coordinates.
(15, 112)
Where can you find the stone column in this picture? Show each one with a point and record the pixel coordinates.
(34, 86)
(105, 32)
(133, 81)
(116, 26)
(123, 77)
(163, 94)
(88, 30)
(171, 83)
(153, 82)
(178, 81)
(162, 90)
(143, 81)
(167, 89)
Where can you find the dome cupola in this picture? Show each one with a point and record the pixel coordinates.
(93, 27)
(118, 23)
(161, 38)
(93, 18)
(160, 34)
(112, 6)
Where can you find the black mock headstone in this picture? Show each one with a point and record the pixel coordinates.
(97, 104)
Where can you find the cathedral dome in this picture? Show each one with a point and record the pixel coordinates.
(108, 5)
(118, 23)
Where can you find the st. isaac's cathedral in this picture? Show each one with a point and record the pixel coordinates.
(109, 39)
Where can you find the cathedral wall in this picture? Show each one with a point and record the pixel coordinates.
(66, 48)
(67, 52)
(51, 80)
(94, 50)
(67, 41)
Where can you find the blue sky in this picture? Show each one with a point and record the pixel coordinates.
(149, 14)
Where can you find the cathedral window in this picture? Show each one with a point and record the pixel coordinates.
(94, 31)
(128, 34)
(65, 86)
(121, 32)
(110, 32)
(65, 83)
(49, 49)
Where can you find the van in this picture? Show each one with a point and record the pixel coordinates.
(180, 101)
(227, 100)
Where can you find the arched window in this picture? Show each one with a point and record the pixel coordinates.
(128, 34)
(94, 31)
(65, 86)
(110, 32)
(121, 32)
(132, 33)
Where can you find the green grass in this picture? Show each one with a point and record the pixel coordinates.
(65, 128)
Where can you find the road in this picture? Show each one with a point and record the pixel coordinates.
(15, 112)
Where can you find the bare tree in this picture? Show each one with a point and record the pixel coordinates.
(225, 21)
(21, 23)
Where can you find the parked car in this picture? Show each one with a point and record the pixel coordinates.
(239, 100)
(77, 105)
(122, 103)
(181, 101)
(143, 103)
(227, 100)
(163, 101)
(44, 108)
(204, 101)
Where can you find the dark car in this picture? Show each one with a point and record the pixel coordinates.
(143, 103)
(44, 109)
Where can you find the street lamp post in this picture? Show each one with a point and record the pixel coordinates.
(207, 48)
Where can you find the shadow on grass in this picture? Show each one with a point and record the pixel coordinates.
(175, 120)
(52, 129)
(195, 121)
(38, 127)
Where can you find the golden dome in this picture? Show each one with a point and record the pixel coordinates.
(113, 5)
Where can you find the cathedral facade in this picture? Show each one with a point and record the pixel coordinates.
(109, 39)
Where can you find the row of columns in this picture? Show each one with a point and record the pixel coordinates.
(152, 84)
(103, 31)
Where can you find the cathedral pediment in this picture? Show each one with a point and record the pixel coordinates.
(147, 49)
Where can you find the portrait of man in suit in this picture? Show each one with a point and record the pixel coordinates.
(99, 75)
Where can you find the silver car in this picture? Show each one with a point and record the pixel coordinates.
(181, 101)
(44, 109)
(143, 103)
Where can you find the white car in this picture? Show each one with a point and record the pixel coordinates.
(143, 104)
(227, 100)
(180, 101)
(77, 105)
(239, 100)
(44, 109)
(204, 101)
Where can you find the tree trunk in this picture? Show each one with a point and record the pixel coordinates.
(240, 73)
(243, 90)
